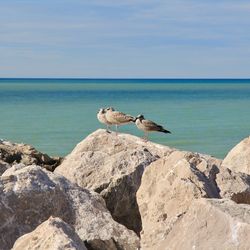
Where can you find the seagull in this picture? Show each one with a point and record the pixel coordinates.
(148, 126)
(101, 116)
(118, 118)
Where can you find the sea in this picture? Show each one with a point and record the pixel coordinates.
(204, 115)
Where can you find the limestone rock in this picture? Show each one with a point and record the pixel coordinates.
(233, 185)
(211, 224)
(13, 153)
(112, 165)
(13, 169)
(30, 195)
(3, 166)
(53, 234)
(238, 159)
(169, 185)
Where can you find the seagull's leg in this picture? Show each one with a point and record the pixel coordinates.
(145, 137)
(108, 128)
(116, 128)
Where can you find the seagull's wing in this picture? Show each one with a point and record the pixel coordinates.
(121, 117)
(150, 125)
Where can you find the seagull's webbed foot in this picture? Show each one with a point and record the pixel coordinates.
(145, 138)
(108, 129)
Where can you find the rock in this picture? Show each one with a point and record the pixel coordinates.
(53, 234)
(238, 159)
(112, 165)
(169, 185)
(211, 224)
(3, 166)
(30, 195)
(13, 169)
(13, 153)
(233, 185)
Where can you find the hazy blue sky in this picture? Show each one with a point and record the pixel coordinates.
(129, 38)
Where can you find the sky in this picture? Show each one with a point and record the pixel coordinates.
(125, 39)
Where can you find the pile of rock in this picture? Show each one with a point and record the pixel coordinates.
(29, 196)
(112, 165)
(120, 192)
(14, 153)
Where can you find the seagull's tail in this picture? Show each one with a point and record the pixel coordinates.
(165, 131)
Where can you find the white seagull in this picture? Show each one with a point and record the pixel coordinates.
(118, 118)
(101, 116)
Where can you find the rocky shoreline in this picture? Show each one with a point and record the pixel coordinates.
(120, 192)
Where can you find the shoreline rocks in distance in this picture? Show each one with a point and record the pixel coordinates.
(15, 153)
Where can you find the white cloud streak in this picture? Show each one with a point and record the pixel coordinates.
(207, 32)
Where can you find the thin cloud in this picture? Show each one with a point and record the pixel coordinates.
(105, 34)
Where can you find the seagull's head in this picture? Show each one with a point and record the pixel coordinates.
(110, 108)
(101, 110)
(139, 117)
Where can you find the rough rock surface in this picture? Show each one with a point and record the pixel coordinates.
(112, 165)
(30, 195)
(211, 224)
(13, 153)
(3, 166)
(53, 234)
(233, 185)
(238, 159)
(168, 187)
(170, 184)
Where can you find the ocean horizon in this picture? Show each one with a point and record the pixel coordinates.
(53, 114)
(200, 80)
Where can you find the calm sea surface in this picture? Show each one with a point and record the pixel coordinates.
(208, 116)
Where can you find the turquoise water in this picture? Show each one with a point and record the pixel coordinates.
(208, 116)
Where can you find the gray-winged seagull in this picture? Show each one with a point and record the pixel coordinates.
(149, 126)
(118, 118)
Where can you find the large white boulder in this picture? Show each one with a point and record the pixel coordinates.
(30, 195)
(112, 165)
(238, 159)
(53, 234)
